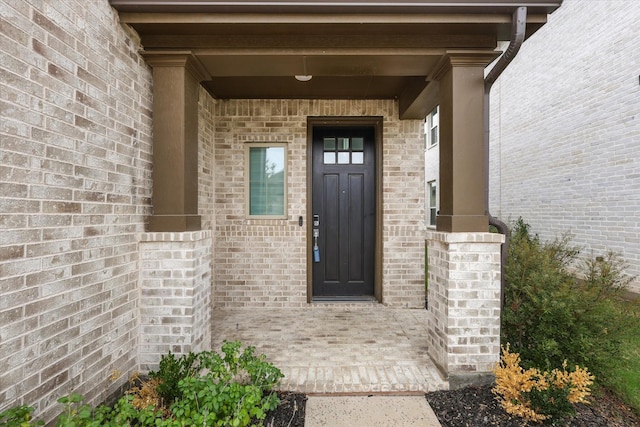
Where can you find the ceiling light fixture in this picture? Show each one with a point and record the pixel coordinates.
(304, 77)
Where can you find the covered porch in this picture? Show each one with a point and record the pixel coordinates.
(217, 69)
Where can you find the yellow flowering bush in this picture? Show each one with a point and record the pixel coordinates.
(536, 395)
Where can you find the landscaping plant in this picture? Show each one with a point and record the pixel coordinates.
(558, 312)
(170, 371)
(540, 396)
(234, 389)
(199, 389)
(557, 309)
(18, 416)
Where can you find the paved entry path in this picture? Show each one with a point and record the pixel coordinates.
(339, 349)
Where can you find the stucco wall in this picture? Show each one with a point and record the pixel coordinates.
(75, 185)
(565, 130)
(262, 263)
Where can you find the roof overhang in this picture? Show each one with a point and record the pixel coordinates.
(333, 7)
(353, 49)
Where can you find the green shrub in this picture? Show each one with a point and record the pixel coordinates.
(553, 401)
(170, 371)
(550, 316)
(537, 395)
(18, 416)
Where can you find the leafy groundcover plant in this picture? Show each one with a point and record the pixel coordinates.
(199, 389)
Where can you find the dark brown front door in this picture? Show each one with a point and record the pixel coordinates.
(344, 214)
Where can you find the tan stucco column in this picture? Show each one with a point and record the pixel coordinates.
(462, 165)
(176, 80)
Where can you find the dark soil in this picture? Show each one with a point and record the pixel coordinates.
(290, 412)
(477, 407)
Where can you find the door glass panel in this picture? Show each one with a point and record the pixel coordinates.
(329, 144)
(330, 158)
(343, 150)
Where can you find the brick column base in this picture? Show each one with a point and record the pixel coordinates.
(175, 303)
(463, 298)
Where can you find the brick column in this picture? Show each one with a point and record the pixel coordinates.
(175, 303)
(463, 299)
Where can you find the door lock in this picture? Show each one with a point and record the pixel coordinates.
(316, 249)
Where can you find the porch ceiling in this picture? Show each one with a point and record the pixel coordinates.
(353, 50)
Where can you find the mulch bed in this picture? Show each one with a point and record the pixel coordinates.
(475, 407)
(290, 412)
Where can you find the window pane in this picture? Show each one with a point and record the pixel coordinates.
(357, 158)
(266, 180)
(343, 144)
(434, 135)
(434, 124)
(357, 144)
(343, 158)
(329, 144)
(330, 158)
(432, 194)
(433, 202)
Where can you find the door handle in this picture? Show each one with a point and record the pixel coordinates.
(316, 249)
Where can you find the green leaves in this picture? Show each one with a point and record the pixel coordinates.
(18, 416)
(557, 308)
(171, 370)
(198, 389)
(553, 402)
(234, 389)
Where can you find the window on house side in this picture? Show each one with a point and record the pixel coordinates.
(431, 128)
(432, 202)
(266, 180)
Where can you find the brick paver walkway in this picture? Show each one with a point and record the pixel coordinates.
(337, 348)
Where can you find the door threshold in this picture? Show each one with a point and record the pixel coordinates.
(346, 299)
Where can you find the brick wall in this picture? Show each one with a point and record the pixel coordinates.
(206, 166)
(464, 304)
(75, 180)
(262, 263)
(566, 130)
(175, 295)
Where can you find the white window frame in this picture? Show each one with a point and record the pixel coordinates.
(247, 179)
(432, 195)
(432, 128)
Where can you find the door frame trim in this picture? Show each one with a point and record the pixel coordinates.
(347, 121)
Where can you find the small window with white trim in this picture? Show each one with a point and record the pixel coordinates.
(266, 180)
(432, 128)
(433, 202)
